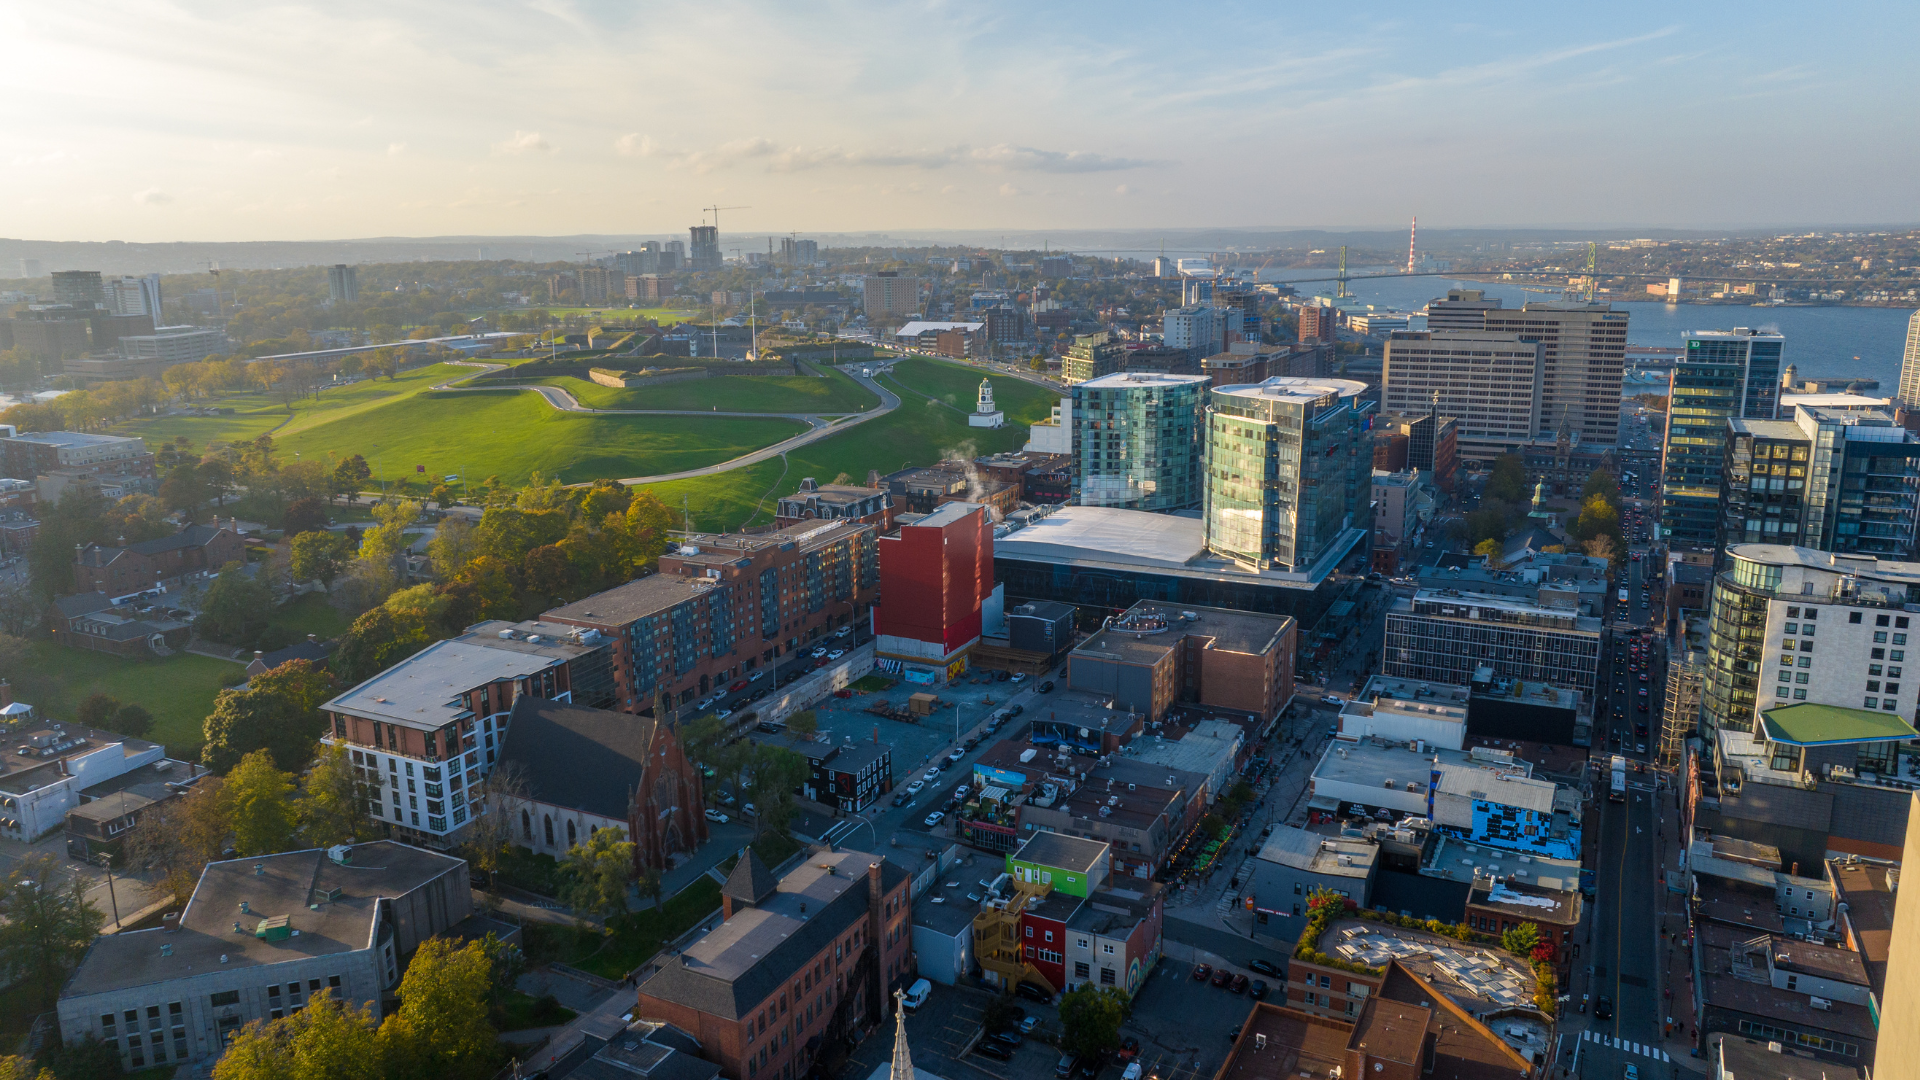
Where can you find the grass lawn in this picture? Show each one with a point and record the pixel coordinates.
(177, 690)
(522, 1011)
(634, 939)
(512, 433)
(727, 502)
(959, 386)
(255, 413)
(834, 393)
(311, 614)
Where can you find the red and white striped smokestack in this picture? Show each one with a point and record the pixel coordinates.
(1413, 234)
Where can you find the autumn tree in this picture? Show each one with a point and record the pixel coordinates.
(260, 806)
(493, 805)
(320, 556)
(388, 538)
(278, 712)
(438, 1034)
(349, 476)
(180, 836)
(329, 807)
(598, 872)
(1090, 1019)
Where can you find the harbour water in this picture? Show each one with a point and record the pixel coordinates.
(1821, 341)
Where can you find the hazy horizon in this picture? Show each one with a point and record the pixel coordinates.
(205, 122)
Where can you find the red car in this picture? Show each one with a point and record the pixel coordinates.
(736, 687)
(1201, 972)
(1222, 977)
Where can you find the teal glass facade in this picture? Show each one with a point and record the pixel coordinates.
(1720, 374)
(1137, 440)
(1286, 474)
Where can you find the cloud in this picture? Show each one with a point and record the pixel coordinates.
(524, 142)
(152, 197)
(395, 149)
(768, 156)
(1009, 191)
(1121, 189)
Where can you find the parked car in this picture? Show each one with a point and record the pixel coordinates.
(995, 1049)
(1067, 1065)
(1257, 991)
(1201, 972)
(902, 798)
(1045, 687)
(715, 815)
(1129, 1049)
(737, 687)
(1015, 710)
(819, 652)
(1020, 678)
(1238, 985)
(956, 756)
(916, 995)
(1005, 1038)
(935, 818)
(843, 631)
(836, 654)
(1222, 977)
(1033, 993)
(931, 775)
(916, 787)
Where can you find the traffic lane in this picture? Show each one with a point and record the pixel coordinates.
(1623, 945)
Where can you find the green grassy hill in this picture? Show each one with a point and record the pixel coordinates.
(833, 393)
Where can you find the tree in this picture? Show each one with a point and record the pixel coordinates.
(493, 805)
(88, 1059)
(438, 1034)
(34, 416)
(1090, 1019)
(236, 607)
(180, 836)
(349, 476)
(1520, 940)
(304, 514)
(1601, 482)
(329, 807)
(278, 712)
(648, 523)
(1509, 480)
(598, 872)
(1602, 547)
(324, 1041)
(132, 721)
(803, 724)
(389, 538)
(505, 962)
(20, 611)
(548, 573)
(97, 709)
(319, 556)
(184, 490)
(1489, 548)
(46, 923)
(376, 641)
(260, 805)
(774, 773)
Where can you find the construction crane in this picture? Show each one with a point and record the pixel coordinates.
(715, 211)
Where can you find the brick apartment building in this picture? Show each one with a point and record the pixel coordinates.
(722, 606)
(1041, 478)
(131, 568)
(424, 731)
(1153, 655)
(816, 502)
(798, 963)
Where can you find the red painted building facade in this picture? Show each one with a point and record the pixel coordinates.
(935, 576)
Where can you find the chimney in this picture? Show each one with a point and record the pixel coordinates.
(6, 693)
(313, 638)
(726, 907)
(876, 729)
(121, 542)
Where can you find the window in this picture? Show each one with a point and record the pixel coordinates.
(1879, 637)
(1106, 976)
(1873, 685)
(1793, 628)
(547, 820)
(1801, 678)
(1806, 646)
(1898, 655)
(1873, 702)
(224, 997)
(1873, 669)
(1799, 695)
(1807, 630)
(1853, 616)
(1881, 620)
(1109, 949)
(1080, 969)
(1080, 943)
(1785, 757)
(1899, 639)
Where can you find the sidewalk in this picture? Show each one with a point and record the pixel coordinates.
(1676, 963)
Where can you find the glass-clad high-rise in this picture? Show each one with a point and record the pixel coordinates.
(1287, 461)
(1137, 440)
(1720, 374)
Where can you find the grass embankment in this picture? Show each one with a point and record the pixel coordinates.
(916, 433)
(522, 1011)
(632, 939)
(833, 393)
(513, 433)
(255, 413)
(178, 690)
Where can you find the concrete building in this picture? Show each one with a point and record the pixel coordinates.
(1092, 356)
(1293, 864)
(1494, 384)
(591, 769)
(169, 345)
(1484, 796)
(1866, 502)
(887, 293)
(937, 576)
(1460, 309)
(110, 459)
(79, 288)
(1403, 503)
(1287, 461)
(1054, 435)
(1444, 634)
(1721, 374)
(724, 607)
(703, 247)
(797, 962)
(1431, 441)
(133, 296)
(1201, 329)
(1407, 710)
(815, 501)
(1154, 655)
(424, 731)
(343, 283)
(257, 940)
(51, 764)
(1583, 351)
(1139, 441)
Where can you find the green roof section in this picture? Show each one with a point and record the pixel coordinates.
(1807, 724)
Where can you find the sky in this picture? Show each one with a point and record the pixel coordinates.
(155, 120)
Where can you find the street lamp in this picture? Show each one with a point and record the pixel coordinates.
(105, 859)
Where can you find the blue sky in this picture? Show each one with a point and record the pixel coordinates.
(194, 119)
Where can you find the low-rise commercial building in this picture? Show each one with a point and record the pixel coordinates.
(1153, 655)
(1293, 864)
(817, 502)
(1445, 634)
(148, 564)
(50, 765)
(1482, 797)
(259, 938)
(1407, 710)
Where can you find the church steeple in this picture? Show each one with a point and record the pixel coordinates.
(902, 1060)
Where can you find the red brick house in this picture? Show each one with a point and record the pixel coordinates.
(799, 962)
(132, 568)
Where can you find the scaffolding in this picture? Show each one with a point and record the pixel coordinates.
(996, 937)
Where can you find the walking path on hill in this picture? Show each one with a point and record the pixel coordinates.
(820, 425)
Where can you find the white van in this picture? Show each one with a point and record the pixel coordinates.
(917, 995)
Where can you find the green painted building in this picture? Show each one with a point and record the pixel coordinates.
(1070, 864)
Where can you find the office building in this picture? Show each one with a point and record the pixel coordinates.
(258, 940)
(80, 289)
(169, 345)
(1154, 656)
(49, 334)
(1444, 634)
(427, 729)
(1092, 356)
(1138, 440)
(1583, 352)
(1720, 374)
(50, 766)
(1201, 329)
(134, 296)
(1460, 309)
(1909, 394)
(703, 247)
(797, 252)
(1493, 384)
(343, 283)
(937, 576)
(725, 606)
(38, 452)
(1426, 441)
(1838, 481)
(1287, 467)
(887, 293)
(797, 964)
